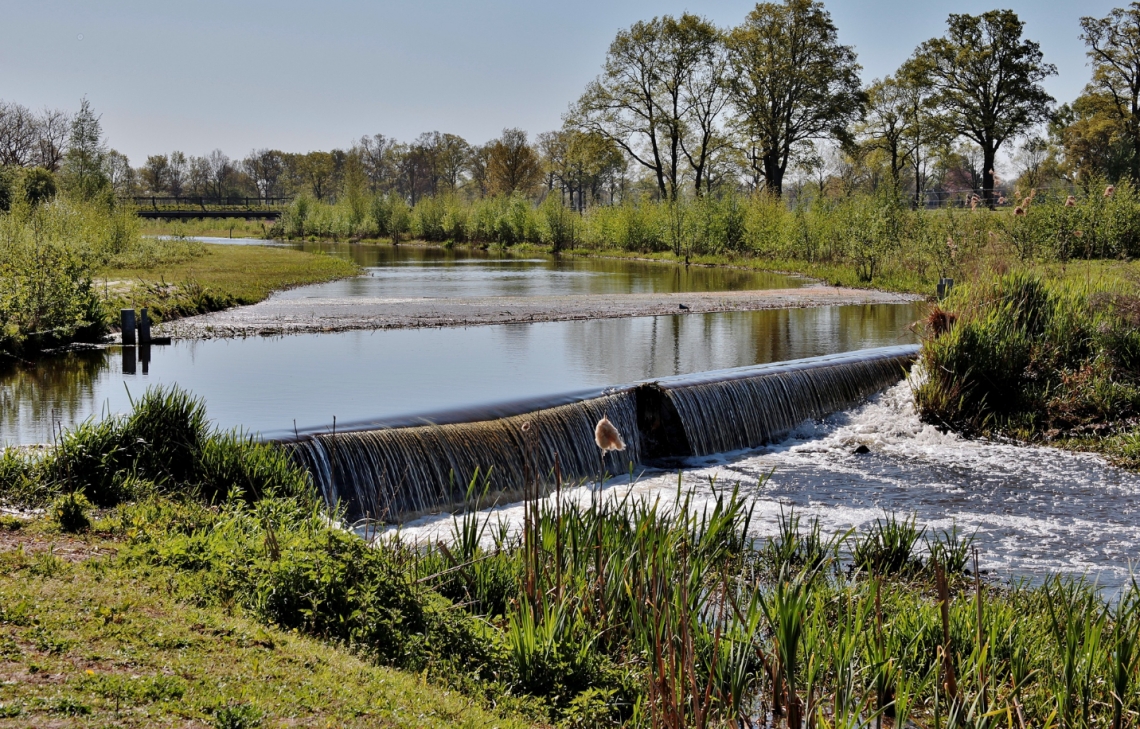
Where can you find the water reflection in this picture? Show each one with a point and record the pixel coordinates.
(413, 271)
(38, 396)
(265, 384)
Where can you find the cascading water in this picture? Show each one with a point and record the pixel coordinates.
(392, 473)
(746, 407)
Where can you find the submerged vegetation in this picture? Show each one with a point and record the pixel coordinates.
(614, 610)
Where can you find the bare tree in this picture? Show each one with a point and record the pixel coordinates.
(18, 135)
(380, 157)
(177, 173)
(198, 176)
(220, 170)
(703, 95)
(265, 168)
(477, 165)
(52, 130)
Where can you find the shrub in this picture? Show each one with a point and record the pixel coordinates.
(70, 512)
(1026, 356)
(238, 716)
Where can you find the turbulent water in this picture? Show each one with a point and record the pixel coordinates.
(1035, 511)
(389, 473)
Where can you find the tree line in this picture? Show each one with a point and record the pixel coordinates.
(684, 108)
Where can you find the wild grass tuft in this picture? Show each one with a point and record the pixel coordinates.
(1027, 357)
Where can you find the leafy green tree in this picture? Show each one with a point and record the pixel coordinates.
(155, 174)
(987, 82)
(1095, 138)
(791, 81)
(512, 164)
(37, 185)
(84, 172)
(659, 96)
(1114, 50)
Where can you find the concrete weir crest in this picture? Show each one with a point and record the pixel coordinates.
(392, 470)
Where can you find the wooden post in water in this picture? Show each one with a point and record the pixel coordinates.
(144, 327)
(127, 324)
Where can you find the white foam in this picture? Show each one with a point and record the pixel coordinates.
(1035, 510)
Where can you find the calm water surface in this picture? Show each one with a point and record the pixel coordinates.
(265, 384)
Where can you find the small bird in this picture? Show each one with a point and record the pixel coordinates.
(682, 307)
(607, 436)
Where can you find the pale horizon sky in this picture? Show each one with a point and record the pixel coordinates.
(298, 76)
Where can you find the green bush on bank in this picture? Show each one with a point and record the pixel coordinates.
(1028, 357)
(164, 445)
(50, 250)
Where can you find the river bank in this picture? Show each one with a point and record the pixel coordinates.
(215, 277)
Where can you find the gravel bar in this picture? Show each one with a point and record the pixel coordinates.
(301, 316)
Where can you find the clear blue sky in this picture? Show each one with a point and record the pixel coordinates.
(200, 74)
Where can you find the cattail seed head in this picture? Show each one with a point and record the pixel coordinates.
(607, 436)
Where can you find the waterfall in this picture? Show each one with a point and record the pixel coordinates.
(390, 473)
(746, 407)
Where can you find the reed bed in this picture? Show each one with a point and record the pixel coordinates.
(855, 239)
(679, 618)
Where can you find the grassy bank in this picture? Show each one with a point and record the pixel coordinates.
(87, 639)
(66, 267)
(634, 612)
(215, 277)
(1039, 360)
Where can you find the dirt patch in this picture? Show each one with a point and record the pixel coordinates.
(68, 548)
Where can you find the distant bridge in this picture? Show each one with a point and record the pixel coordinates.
(186, 208)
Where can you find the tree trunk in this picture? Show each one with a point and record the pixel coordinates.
(1136, 155)
(773, 174)
(989, 155)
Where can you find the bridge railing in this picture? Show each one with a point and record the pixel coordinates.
(199, 202)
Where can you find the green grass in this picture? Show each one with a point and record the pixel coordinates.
(208, 227)
(220, 277)
(86, 640)
(1039, 359)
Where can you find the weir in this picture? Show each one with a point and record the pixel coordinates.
(393, 470)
